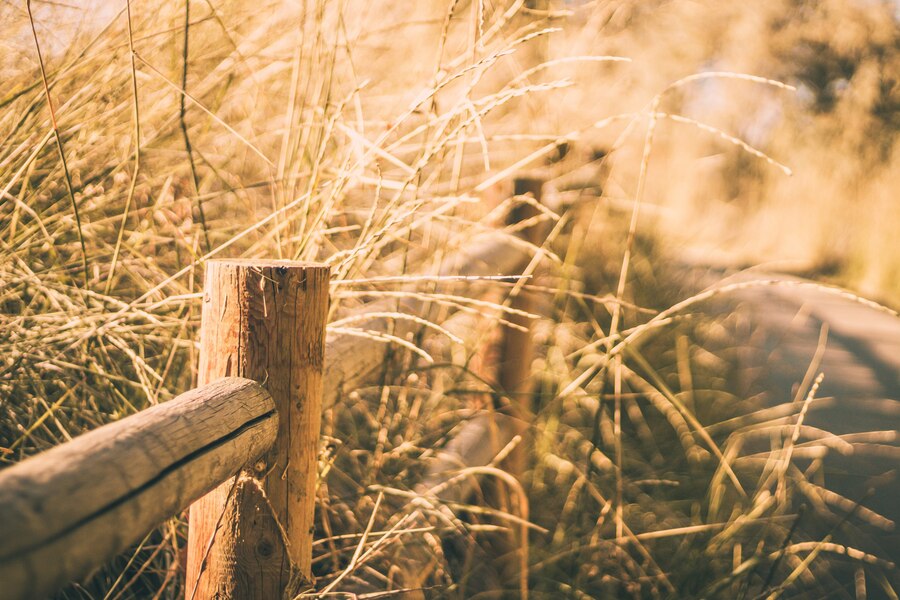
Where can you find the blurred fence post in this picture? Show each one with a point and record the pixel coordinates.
(513, 375)
(252, 536)
(516, 352)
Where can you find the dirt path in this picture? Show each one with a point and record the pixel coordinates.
(861, 358)
(800, 331)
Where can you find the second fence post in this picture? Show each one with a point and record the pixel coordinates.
(516, 352)
(252, 536)
(516, 348)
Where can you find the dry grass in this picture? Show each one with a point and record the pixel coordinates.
(380, 137)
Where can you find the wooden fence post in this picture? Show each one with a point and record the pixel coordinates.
(516, 352)
(252, 536)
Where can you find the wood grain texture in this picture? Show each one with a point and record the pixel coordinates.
(68, 510)
(264, 320)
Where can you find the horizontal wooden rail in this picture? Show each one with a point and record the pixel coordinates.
(480, 439)
(351, 361)
(68, 510)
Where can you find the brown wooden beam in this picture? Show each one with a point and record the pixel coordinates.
(252, 536)
(75, 506)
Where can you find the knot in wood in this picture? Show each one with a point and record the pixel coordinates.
(265, 548)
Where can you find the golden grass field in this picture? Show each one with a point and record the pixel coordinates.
(140, 139)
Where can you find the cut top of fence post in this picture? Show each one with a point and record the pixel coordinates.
(263, 320)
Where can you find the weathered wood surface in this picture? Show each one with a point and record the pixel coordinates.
(252, 536)
(68, 510)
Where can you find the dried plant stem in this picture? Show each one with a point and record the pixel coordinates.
(59, 147)
(182, 121)
(137, 155)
